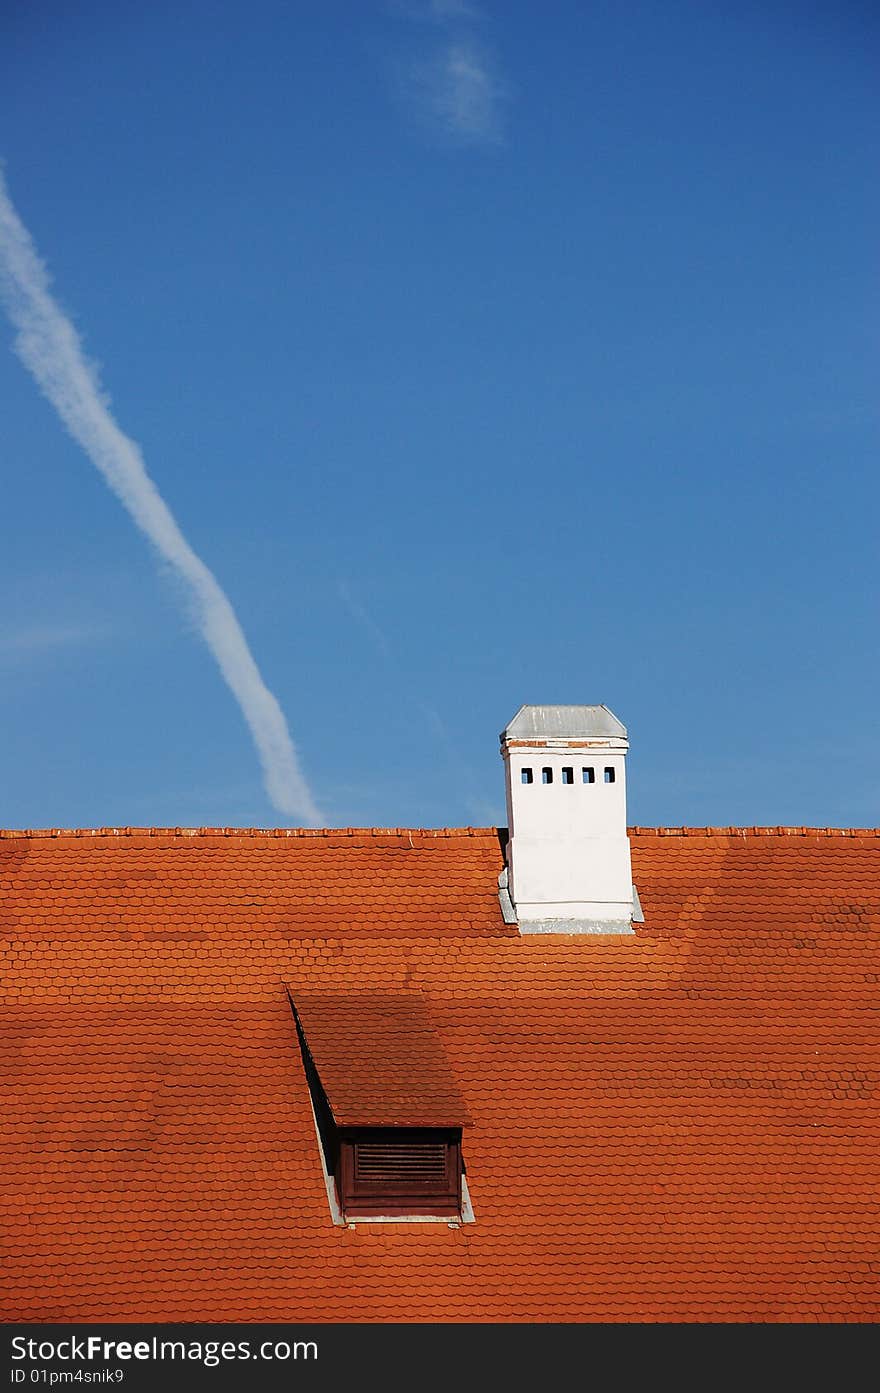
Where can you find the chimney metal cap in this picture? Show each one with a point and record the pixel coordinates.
(564, 723)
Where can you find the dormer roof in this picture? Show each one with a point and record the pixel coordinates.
(379, 1059)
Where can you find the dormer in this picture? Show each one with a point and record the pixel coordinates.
(568, 856)
(388, 1112)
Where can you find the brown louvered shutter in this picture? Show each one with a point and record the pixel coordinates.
(398, 1162)
(400, 1171)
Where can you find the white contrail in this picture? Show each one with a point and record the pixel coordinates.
(49, 347)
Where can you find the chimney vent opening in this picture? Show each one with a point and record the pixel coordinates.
(547, 774)
(589, 774)
(609, 774)
(527, 776)
(567, 775)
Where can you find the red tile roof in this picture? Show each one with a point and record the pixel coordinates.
(379, 1060)
(682, 1124)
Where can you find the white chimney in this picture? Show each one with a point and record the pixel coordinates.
(568, 861)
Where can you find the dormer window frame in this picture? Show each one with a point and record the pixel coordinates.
(407, 1184)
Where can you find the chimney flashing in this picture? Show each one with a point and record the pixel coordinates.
(508, 913)
(576, 926)
(638, 912)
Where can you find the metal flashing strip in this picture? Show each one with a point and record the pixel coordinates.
(335, 1211)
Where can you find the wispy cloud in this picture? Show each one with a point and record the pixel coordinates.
(453, 84)
(441, 10)
(48, 345)
(364, 618)
(36, 640)
(453, 9)
(460, 95)
(403, 686)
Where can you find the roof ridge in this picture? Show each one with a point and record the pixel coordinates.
(9, 832)
(424, 832)
(778, 831)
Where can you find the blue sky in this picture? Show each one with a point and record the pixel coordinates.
(486, 355)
